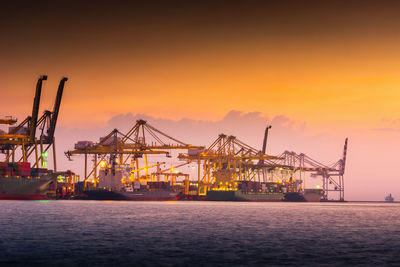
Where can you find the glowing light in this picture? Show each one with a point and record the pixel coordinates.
(103, 163)
(44, 156)
(172, 169)
(318, 186)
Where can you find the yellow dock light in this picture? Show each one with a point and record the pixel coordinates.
(103, 164)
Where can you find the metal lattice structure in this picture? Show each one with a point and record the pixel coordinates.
(299, 164)
(118, 148)
(24, 135)
(227, 156)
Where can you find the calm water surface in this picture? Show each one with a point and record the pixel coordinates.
(105, 233)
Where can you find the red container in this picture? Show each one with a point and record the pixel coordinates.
(24, 165)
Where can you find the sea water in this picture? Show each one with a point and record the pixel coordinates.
(186, 233)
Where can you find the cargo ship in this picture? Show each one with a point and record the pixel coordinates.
(294, 197)
(308, 195)
(237, 195)
(389, 198)
(119, 184)
(19, 182)
(247, 191)
(151, 191)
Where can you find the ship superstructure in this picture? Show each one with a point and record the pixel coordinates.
(389, 198)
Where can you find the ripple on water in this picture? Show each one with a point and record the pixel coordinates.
(70, 233)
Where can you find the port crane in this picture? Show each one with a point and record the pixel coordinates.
(229, 157)
(140, 141)
(24, 134)
(292, 163)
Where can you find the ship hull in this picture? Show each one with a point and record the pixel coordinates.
(241, 196)
(294, 197)
(158, 195)
(15, 188)
(22, 197)
(313, 197)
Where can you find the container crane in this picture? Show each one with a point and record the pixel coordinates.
(227, 156)
(27, 139)
(24, 134)
(132, 145)
(293, 163)
(49, 139)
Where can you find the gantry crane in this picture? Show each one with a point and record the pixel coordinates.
(24, 134)
(117, 148)
(229, 157)
(292, 164)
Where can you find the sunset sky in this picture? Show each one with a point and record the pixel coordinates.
(332, 68)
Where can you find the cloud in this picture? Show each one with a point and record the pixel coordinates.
(388, 125)
(248, 127)
(386, 129)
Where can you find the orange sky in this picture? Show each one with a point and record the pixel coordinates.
(307, 84)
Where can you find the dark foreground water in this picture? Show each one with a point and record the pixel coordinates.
(97, 233)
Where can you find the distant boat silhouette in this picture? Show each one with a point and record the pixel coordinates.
(389, 198)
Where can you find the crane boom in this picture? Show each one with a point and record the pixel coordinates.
(264, 147)
(56, 109)
(344, 157)
(35, 109)
(174, 167)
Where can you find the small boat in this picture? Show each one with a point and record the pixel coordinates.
(389, 198)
